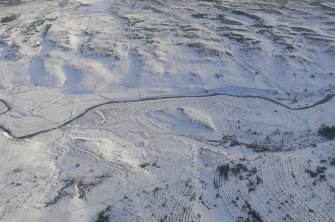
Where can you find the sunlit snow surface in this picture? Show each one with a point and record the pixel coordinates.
(136, 109)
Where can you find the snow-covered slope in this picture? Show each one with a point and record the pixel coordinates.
(166, 110)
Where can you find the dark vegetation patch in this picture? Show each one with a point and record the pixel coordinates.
(327, 131)
(61, 193)
(332, 161)
(204, 50)
(279, 140)
(240, 171)
(319, 170)
(318, 174)
(17, 170)
(229, 141)
(223, 171)
(75, 187)
(253, 215)
(103, 216)
(228, 21)
(81, 189)
(143, 165)
(9, 18)
(10, 2)
(200, 15)
(251, 16)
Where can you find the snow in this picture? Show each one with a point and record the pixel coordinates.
(166, 110)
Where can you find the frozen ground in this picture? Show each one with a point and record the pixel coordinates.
(167, 110)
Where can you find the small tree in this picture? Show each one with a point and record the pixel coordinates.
(327, 131)
(224, 170)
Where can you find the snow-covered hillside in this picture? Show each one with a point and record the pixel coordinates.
(159, 110)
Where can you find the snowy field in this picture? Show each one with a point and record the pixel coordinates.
(165, 110)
